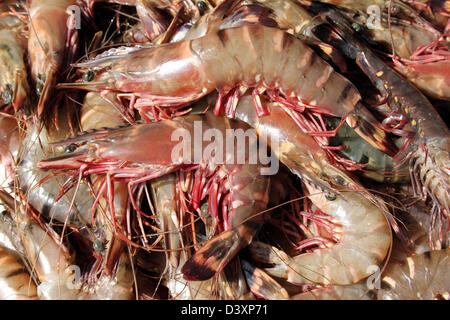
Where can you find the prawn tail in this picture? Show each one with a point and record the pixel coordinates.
(365, 124)
(262, 285)
(338, 34)
(252, 14)
(265, 254)
(210, 259)
(360, 119)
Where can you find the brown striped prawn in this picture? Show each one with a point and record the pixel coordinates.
(178, 73)
(411, 115)
(242, 188)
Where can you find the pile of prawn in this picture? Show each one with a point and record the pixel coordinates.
(335, 172)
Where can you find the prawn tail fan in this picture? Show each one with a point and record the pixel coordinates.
(217, 253)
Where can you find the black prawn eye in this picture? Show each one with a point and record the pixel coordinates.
(339, 180)
(88, 76)
(201, 5)
(70, 148)
(330, 196)
(395, 10)
(40, 83)
(356, 26)
(98, 246)
(7, 95)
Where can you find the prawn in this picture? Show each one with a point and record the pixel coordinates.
(105, 151)
(365, 240)
(14, 87)
(423, 277)
(427, 142)
(48, 256)
(41, 192)
(52, 43)
(418, 50)
(178, 73)
(365, 237)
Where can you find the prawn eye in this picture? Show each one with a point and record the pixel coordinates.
(356, 26)
(89, 76)
(70, 148)
(98, 246)
(339, 180)
(395, 10)
(201, 5)
(7, 95)
(330, 196)
(40, 83)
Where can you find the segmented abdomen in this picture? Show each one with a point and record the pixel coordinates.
(256, 55)
(420, 277)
